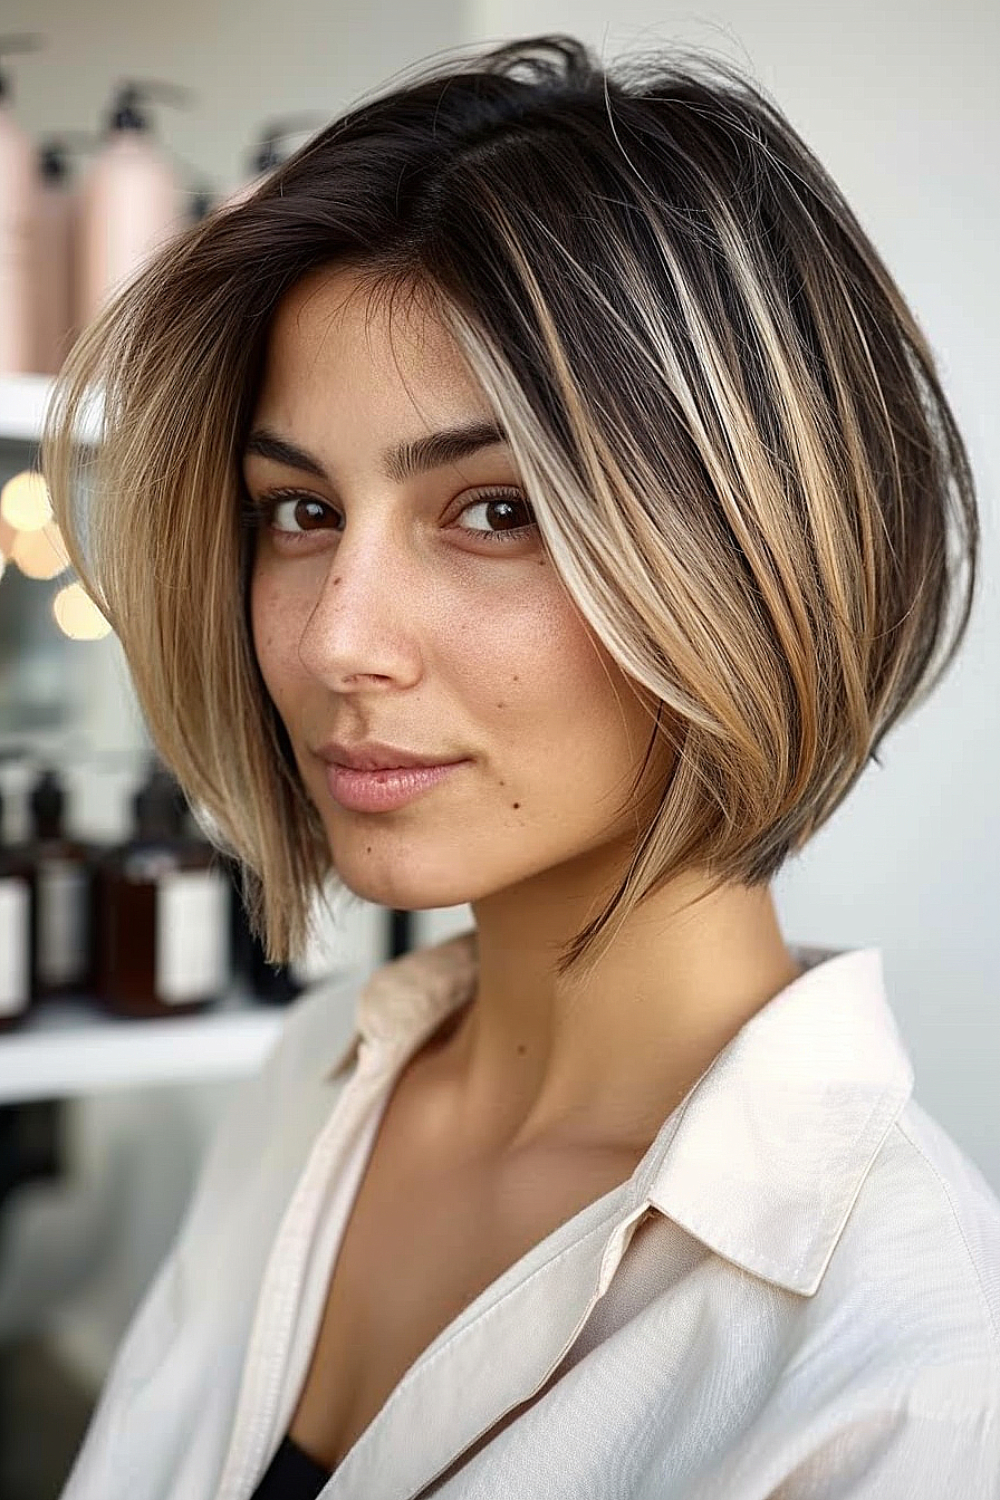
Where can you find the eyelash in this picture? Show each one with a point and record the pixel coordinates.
(260, 512)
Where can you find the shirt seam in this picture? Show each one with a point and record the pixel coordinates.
(976, 1277)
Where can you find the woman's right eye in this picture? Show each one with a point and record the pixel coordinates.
(294, 514)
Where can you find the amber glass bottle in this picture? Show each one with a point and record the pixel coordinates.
(61, 906)
(15, 934)
(164, 912)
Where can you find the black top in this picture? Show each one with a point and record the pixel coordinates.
(291, 1475)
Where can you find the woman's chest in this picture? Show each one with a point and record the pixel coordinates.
(424, 1239)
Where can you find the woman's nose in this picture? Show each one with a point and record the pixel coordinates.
(363, 620)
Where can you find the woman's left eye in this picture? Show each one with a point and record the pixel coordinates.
(501, 504)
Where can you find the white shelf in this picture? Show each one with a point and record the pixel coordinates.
(22, 406)
(69, 1048)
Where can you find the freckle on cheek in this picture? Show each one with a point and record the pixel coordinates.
(517, 804)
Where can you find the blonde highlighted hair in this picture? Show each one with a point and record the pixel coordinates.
(729, 424)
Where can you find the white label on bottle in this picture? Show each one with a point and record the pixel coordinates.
(192, 936)
(62, 922)
(15, 976)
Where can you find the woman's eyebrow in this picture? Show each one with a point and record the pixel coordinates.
(439, 448)
(266, 444)
(399, 462)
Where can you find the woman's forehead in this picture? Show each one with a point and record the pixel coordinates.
(351, 302)
(336, 330)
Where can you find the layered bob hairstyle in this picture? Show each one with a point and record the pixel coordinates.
(730, 427)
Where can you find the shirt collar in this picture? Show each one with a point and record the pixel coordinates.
(764, 1157)
(773, 1142)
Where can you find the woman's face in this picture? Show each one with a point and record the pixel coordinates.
(401, 593)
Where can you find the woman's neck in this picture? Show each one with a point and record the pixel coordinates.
(602, 1061)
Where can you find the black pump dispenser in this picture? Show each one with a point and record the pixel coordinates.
(48, 806)
(53, 165)
(127, 112)
(267, 155)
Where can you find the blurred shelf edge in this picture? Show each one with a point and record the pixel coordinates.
(23, 399)
(69, 1048)
(23, 402)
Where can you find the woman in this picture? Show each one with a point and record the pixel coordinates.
(561, 435)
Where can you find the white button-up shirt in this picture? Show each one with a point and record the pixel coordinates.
(795, 1296)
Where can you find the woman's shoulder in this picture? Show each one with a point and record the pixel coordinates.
(918, 1263)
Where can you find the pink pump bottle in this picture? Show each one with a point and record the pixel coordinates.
(130, 202)
(18, 207)
(53, 261)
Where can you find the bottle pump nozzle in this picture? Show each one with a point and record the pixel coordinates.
(126, 111)
(54, 153)
(267, 156)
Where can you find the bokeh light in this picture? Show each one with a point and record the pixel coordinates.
(41, 554)
(78, 616)
(8, 536)
(24, 502)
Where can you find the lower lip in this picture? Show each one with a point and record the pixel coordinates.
(381, 791)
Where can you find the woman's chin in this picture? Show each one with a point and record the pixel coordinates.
(401, 890)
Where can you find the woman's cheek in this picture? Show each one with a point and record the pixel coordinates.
(272, 629)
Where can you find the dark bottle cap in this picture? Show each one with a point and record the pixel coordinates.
(201, 205)
(267, 155)
(53, 164)
(48, 804)
(125, 111)
(269, 151)
(157, 808)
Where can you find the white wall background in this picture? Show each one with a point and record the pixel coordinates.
(899, 101)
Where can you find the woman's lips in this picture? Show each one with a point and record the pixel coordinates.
(381, 791)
